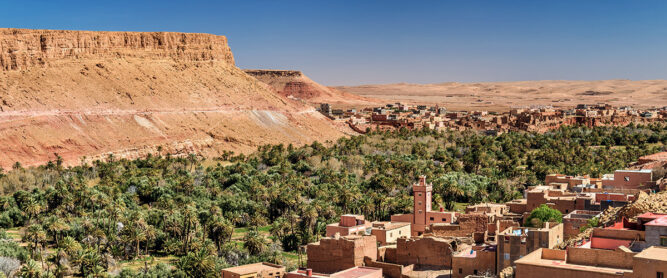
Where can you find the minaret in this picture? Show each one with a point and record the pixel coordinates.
(422, 200)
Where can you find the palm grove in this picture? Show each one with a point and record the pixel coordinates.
(84, 220)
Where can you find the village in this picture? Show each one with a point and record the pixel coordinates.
(612, 226)
(538, 119)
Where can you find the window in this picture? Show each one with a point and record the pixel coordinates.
(626, 178)
(399, 232)
(663, 241)
(474, 271)
(660, 275)
(566, 211)
(507, 256)
(444, 220)
(390, 234)
(431, 219)
(420, 194)
(420, 211)
(460, 270)
(420, 203)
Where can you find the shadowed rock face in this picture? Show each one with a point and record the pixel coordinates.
(81, 93)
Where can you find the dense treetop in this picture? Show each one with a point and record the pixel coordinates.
(83, 220)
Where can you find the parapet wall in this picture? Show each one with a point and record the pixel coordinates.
(600, 257)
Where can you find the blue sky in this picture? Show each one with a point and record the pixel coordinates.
(363, 42)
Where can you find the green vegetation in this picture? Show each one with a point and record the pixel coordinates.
(543, 214)
(240, 209)
(591, 223)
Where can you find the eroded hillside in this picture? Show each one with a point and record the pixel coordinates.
(296, 85)
(80, 93)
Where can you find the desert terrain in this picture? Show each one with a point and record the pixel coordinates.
(85, 95)
(501, 96)
(296, 85)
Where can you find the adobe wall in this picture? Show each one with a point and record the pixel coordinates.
(600, 257)
(571, 226)
(532, 271)
(516, 207)
(425, 251)
(467, 225)
(390, 270)
(648, 268)
(331, 255)
(636, 179)
(483, 262)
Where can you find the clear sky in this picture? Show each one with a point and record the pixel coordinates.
(362, 42)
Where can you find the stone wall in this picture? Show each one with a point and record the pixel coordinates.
(425, 251)
(390, 270)
(330, 255)
(483, 262)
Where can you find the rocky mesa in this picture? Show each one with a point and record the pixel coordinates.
(90, 94)
(296, 85)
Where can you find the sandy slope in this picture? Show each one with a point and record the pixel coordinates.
(503, 95)
(94, 93)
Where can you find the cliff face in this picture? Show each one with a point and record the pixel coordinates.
(294, 84)
(24, 48)
(90, 94)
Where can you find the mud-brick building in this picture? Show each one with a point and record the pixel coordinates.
(349, 224)
(573, 221)
(596, 263)
(431, 252)
(257, 270)
(422, 216)
(514, 243)
(333, 254)
(388, 232)
(476, 260)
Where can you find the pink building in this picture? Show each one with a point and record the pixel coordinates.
(350, 224)
(422, 215)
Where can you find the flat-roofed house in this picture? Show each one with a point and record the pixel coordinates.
(257, 270)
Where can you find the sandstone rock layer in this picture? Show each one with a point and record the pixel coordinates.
(80, 93)
(296, 85)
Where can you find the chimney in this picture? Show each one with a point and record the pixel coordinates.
(309, 272)
(442, 209)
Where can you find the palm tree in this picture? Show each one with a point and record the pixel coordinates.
(198, 264)
(56, 227)
(254, 242)
(30, 269)
(35, 235)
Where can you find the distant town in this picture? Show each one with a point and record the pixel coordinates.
(537, 119)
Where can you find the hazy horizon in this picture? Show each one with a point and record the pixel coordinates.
(348, 43)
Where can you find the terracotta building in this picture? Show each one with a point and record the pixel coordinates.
(257, 270)
(596, 263)
(422, 215)
(350, 224)
(628, 179)
(333, 254)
